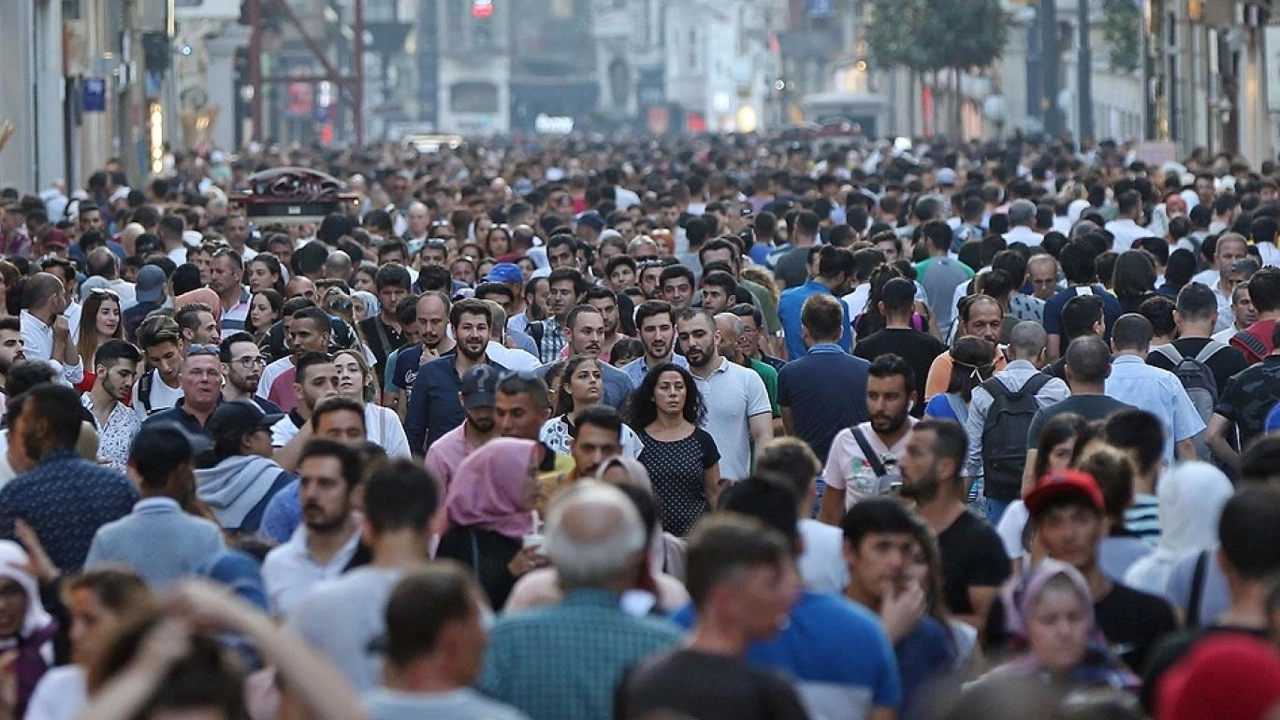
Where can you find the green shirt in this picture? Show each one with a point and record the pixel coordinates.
(770, 378)
(768, 306)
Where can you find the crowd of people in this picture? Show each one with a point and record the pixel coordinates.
(719, 427)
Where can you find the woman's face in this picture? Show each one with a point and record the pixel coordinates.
(1058, 628)
(1060, 455)
(91, 623)
(670, 393)
(531, 486)
(108, 320)
(350, 377)
(261, 315)
(586, 385)
(260, 277)
(499, 243)
(527, 267)
(916, 571)
(357, 305)
(483, 225)
(364, 281)
(464, 272)
(13, 607)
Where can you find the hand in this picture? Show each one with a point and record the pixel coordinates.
(207, 605)
(9, 683)
(428, 354)
(39, 565)
(164, 645)
(900, 612)
(527, 560)
(61, 327)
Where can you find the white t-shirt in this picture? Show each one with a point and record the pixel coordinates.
(60, 694)
(822, 563)
(162, 396)
(733, 394)
(382, 427)
(1010, 528)
(847, 468)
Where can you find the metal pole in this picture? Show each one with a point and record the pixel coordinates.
(1050, 57)
(357, 88)
(1084, 74)
(255, 67)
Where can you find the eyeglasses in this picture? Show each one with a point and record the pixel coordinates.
(201, 349)
(249, 363)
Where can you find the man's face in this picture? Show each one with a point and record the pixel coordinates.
(714, 299)
(300, 287)
(390, 296)
(699, 338)
(877, 565)
(90, 220)
(1241, 305)
(888, 402)
(593, 446)
(433, 256)
(608, 308)
(1071, 533)
(749, 340)
(516, 416)
(12, 349)
(432, 320)
(764, 596)
(224, 276)
(201, 380)
(418, 220)
(320, 383)
(668, 217)
(561, 297)
(649, 281)
(118, 379)
(1229, 251)
(398, 189)
(537, 302)
(342, 425)
(472, 335)
(678, 291)
(919, 467)
(245, 369)
(656, 334)
(1204, 190)
(626, 229)
(206, 330)
(167, 359)
(725, 255)
(480, 418)
(12, 220)
(305, 337)
(323, 494)
(1044, 279)
(236, 230)
(890, 250)
(984, 321)
(587, 334)
(203, 261)
(562, 256)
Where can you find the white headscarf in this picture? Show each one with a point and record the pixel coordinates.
(1191, 497)
(13, 561)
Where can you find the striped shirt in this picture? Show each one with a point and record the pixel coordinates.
(1143, 518)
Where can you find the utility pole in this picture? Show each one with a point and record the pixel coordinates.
(1050, 57)
(1084, 72)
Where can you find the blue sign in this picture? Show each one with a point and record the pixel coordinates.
(95, 95)
(821, 8)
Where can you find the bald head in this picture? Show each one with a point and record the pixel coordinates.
(595, 537)
(730, 327)
(1027, 340)
(1088, 360)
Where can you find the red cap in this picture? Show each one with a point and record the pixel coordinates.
(1063, 483)
(56, 238)
(1229, 676)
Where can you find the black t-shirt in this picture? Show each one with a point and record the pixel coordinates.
(697, 685)
(1090, 407)
(1172, 648)
(1132, 621)
(919, 349)
(1223, 364)
(972, 556)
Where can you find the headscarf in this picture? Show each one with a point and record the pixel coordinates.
(1191, 497)
(372, 308)
(488, 489)
(13, 561)
(637, 473)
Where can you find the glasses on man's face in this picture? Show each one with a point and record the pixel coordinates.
(202, 349)
(249, 362)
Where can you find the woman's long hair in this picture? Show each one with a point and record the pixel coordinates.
(370, 377)
(872, 320)
(273, 265)
(643, 411)
(89, 340)
(276, 301)
(1055, 432)
(1134, 274)
(564, 400)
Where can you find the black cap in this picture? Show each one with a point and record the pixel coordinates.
(240, 417)
(480, 387)
(160, 447)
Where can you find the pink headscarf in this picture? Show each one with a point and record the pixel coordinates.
(488, 488)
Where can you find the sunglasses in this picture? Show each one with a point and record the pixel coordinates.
(339, 303)
(202, 349)
(105, 292)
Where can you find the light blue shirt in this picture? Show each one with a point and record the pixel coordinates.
(1160, 393)
(637, 369)
(791, 303)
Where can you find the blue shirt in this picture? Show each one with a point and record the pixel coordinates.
(805, 385)
(1053, 311)
(178, 414)
(434, 408)
(1160, 393)
(637, 369)
(924, 654)
(836, 651)
(405, 371)
(283, 514)
(789, 307)
(65, 500)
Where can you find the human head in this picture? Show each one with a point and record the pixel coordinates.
(699, 337)
(116, 367)
(1051, 609)
(718, 290)
(1057, 443)
(1264, 290)
(981, 316)
(201, 378)
(1230, 248)
(741, 572)
(97, 601)
(240, 427)
(933, 461)
(1068, 512)
(12, 346)
(878, 546)
(392, 284)
(328, 472)
(655, 326)
(790, 461)
(822, 319)
(1043, 272)
(309, 330)
(1249, 536)
(315, 379)
(399, 496)
(670, 389)
(676, 283)
(1027, 342)
(891, 392)
(585, 328)
(163, 458)
(597, 436)
(1140, 434)
(595, 537)
(161, 342)
(242, 362)
(1132, 334)
(434, 614)
(340, 418)
(521, 406)
(433, 310)
(1088, 361)
(564, 286)
(225, 273)
(471, 320)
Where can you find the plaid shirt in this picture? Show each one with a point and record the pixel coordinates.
(562, 662)
(553, 341)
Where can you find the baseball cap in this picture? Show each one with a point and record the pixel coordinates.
(1065, 483)
(160, 447)
(479, 387)
(1227, 675)
(947, 176)
(56, 238)
(591, 219)
(192, 238)
(150, 281)
(505, 272)
(240, 417)
(97, 282)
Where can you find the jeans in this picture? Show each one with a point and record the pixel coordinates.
(995, 510)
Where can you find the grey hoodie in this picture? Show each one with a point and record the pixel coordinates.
(235, 486)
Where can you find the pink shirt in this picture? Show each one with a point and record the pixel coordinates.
(446, 454)
(281, 392)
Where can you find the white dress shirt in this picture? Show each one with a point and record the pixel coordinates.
(38, 341)
(290, 571)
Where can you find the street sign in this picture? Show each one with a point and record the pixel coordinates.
(95, 95)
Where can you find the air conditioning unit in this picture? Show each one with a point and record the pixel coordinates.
(228, 10)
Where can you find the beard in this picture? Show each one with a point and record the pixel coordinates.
(923, 490)
(472, 355)
(484, 425)
(888, 424)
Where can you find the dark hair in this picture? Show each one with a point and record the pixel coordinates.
(599, 416)
(772, 501)
(571, 320)
(891, 365)
(642, 411)
(1057, 430)
(318, 317)
(724, 544)
(520, 384)
(485, 289)
(118, 589)
(949, 442)
(1260, 460)
(422, 605)
(1249, 532)
(308, 361)
(469, 306)
(790, 460)
(26, 375)
(1132, 332)
(672, 272)
(400, 495)
(973, 363)
(1264, 289)
(1139, 432)
(569, 274)
(392, 275)
(1078, 262)
(1088, 359)
(1080, 314)
(1134, 274)
(59, 407)
(113, 351)
(875, 515)
(835, 261)
(188, 316)
(348, 456)
(722, 280)
(564, 402)
(823, 316)
(1196, 302)
(650, 308)
(1158, 310)
(335, 404)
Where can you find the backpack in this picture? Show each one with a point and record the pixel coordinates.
(144, 391)
(1004, 435)
(1198, 381)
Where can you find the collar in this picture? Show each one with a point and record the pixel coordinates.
(157, 504)
(724, 365)
(591, 597)
(822, 348)
(1128, 360)
(58, 455)
(1021, 365)
(24, 314)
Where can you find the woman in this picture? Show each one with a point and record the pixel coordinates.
(265, 273)
(581, 386)
(103, 306)
(363, 278)
(624, 351)
(25, 626)
(1050, 613)
(871, 320)
(382, 425)
(682, 458)
(1054, 452)
(972, 365)
(498, 242)
(266, 307)
(237, 479)
(366, 305)
(97, 602)
(489, 509)
(1134, 279)
(1191, 497)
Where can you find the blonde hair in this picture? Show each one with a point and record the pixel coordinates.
(371, 387)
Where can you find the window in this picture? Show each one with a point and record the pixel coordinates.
(473, 97)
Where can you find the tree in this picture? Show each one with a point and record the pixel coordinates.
(958, 35)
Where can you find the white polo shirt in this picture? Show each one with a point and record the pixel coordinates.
(290, 572)
(733, 394)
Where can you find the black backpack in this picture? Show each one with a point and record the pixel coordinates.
(1004, 436)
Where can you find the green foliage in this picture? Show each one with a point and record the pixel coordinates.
(1123, 32)
(921, 35)
(892, 37)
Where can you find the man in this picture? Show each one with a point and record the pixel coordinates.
(1081, 270)
(235, 230)
(999, 412)
(384, 332)
(435, 638)
(755, 343)
(1196, 314)
(1133, 432)
(226, 271)
(1125, 227)
(731, 330)
(790, 461)
(12, 352)
(974, 564)
(536, 294)
(239, 479)
(1022, 220)
(434, 408)
(325, 543)
(1069, 516)
(879, 545)
(597, 436)
(564, 285)
(940, 275)
(1229, 248)
(738, 411)
(1244, 405)
(46, 331)
(980, 316)
(309, 332)
(201, 380)
(717, 292)
(740, 575)
(103, 263)
(863, 457)
(791, 262)
(160, 540)
(1157, 391)
(585, 328)
(655, 326)
(1242, 310)
(605, 301)
(676, 284)
(835, 274)
(340, 619)
(159, 388)
(478, 397)
(899, 337)
(242, 365)
(151, 289)
(172, 228)
(115, 367)
(522, 406)
(315, 380)
(595, 539)
(431, 320)
(197, 324)
(1264, 294)
(1042, 271)
(63, 498)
